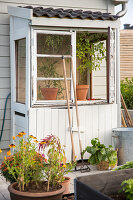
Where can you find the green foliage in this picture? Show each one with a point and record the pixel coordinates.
(99, 152)
(127, 187)
(127, 92)
(25, 165)
(56, 166)
(127, 165)
(91, 51)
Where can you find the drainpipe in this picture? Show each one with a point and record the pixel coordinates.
(123, 11)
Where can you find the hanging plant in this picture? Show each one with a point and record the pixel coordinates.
(90, 50)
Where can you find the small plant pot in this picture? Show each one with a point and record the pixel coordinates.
(66, 184)
(17, 195)
(49, 93)
(103, 165)
(81, 91)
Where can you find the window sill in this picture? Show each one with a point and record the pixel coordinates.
(64, 104)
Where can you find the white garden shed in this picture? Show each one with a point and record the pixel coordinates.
(39, 36)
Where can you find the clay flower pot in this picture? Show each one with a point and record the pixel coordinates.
(66, 184)
(81, 91)
(49, 93)
(15, 194)
(103, 165)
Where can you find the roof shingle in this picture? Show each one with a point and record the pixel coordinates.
(70, 13)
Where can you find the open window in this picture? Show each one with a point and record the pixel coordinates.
(92, 54)
(49, 84)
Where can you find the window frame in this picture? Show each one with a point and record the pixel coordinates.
(34, 65)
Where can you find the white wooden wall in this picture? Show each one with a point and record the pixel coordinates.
(96, 5)
(95, 121)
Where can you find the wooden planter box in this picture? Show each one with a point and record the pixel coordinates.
(99, 186)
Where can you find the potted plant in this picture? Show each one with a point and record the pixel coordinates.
(34, 175)
(90, 51)
(51, 88)
(56, 154)
(101, 156)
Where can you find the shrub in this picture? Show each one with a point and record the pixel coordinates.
(127, 92)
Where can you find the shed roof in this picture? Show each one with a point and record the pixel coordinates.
(70, 13)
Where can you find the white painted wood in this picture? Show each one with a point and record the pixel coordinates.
(4, 51)
(2, 103)
(3, 94)
(8, 114)
(97, 121)
(6, 135)
(75, 23)
(4, 61)
(4, 40)
(4, 83)
(4, 19)
(4, 29)
(20, 12)
(4, 72)
(96, 5)
(20, 121)
(55, 122)
(7, 125)
(4, 144)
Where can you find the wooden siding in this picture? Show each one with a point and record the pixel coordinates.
(95, 121)
(126, 53)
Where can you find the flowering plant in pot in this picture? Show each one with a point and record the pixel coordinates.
(56, 158)
(101, 156)
(33, 174)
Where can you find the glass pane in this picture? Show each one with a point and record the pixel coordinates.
(52, 67)
(52, 90)
(20, 56)
(53, 44)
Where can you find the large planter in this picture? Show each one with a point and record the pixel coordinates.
(100, 186)
(81, 91)
(17, 195)
(103, 165)
(49, 93)
(66, 184)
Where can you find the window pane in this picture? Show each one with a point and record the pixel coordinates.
(52, 67)
(52, 90)
(20, 56)
(53, 44)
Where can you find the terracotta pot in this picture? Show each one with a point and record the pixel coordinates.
(66, 184)
(81, 91)
(103, 165)
(49, 93)
(17, 195)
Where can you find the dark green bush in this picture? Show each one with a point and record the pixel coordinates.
(127, 92)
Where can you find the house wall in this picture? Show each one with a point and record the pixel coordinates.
(102, 5)
(126, 53)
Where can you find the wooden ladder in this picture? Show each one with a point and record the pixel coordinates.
(68, 107)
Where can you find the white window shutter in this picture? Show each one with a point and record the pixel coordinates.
(111, 65)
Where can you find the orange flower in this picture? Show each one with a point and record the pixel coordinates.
(64, 166)
(42, 142)
(35, 141)
(31, 136)
(8, 153)
(5, 158)
(22, 133)
(0, 151)
(12, 145)
(13, 137)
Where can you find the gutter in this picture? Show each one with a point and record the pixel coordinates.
(123, 11)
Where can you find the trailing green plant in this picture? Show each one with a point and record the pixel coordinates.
(91, 51)
(99, 152)
(127, 188)
(127, 165)
(127, 92)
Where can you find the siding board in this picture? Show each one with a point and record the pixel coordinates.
(4, 83)
(4, 40)
(4, 72)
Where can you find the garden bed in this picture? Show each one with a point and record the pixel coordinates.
(103, 186)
